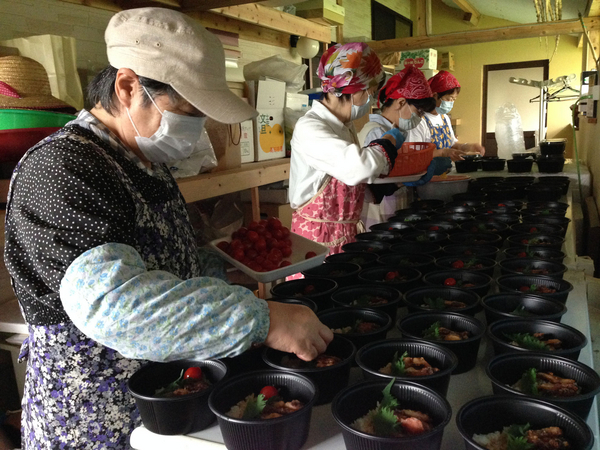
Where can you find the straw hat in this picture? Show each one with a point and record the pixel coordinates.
(24, 85)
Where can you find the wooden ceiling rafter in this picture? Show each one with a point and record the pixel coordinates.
(472, 15)
(593, 8)
(530, 30)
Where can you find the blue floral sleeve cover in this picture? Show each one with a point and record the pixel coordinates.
(153, 315)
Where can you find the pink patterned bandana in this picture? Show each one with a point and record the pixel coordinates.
(349, 68)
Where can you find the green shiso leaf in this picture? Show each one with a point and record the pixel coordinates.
(529, 382)
(433, 332)
(385, 422)
(171, 386)
(398, 368)
(527, 341)
(435, 303)
(254, 407)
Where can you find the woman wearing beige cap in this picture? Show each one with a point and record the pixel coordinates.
(101, 251)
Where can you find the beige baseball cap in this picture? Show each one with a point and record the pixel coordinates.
(172, 48)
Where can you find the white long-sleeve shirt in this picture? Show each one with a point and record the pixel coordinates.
(322, 145)
(422, 133)
(374, 132)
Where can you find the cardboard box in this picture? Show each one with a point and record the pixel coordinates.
(326, 12)
(247, 142)
(296, 102)
(426, 58)
(429, 73)
(269, 135)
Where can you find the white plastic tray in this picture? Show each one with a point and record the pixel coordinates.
(407, 178)
(300, 246)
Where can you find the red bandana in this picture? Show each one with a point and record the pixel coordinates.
(409, 83)
(443, 81)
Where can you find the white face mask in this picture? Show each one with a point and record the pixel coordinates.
(359, 111)
(175, 138)
(445, 107)
(409, 124)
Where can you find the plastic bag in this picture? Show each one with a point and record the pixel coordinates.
(202, 160)
(277, 67)
(216, 217)
(509, 131)
(58, 55)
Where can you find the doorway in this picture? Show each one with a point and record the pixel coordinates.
(497, 90)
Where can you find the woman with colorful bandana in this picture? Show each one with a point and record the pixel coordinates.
(436, 127)
(329, 165)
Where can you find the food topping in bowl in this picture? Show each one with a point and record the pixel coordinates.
(323, 360)
(268, 404)
(522, 312)
(532, 270)
(369, 300)
(482, 227)
(520, 437)
(439, 333)
(540, 289)
(389, 420)
(546, 384)
(457, 283)
(190, 381)
(535, 341)
(440, 303)
(394, 277)
(536, 241)
(408, 367)
(359, 327)
(309, 289)
(470, 264)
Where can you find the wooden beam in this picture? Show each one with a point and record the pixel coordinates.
(420, 28)
(205, 5)
(276, 20)
(472, 15)
(245, 30)
(98, 4)
(530, 30)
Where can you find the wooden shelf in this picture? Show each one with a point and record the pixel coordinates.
(209, 185)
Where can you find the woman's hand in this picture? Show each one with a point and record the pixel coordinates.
(473, 148)
(453, 153)
(395, 136)
(296, 329)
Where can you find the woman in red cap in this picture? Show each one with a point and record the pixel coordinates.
(329, 165)
(436, 127)
(403, 100)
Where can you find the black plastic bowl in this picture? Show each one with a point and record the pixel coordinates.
(415, 299)
(516, 266)
(363, 259)
(505, 370)
(437, 225)
(487, 251)
(328, 380)
(535, 228)
(408, 216)
(508, 219)
(479, 196)
(357, 400)
(486, 226)
(343, 273)
(492, 413)
(367, 246)
(177, 415)
(411, 248)
(512, 283)
(446, 262)
(376, 355)
(321, 295)
(543, 192)
(422, 237)
(389, 237)
(297, 301)
(550, 165)
(288, 432)
(553, 146)
(552, 241)
(413, 325)
(346, 296)
(482, 282)
(452, 217)
(490, 180)
(452, 209)
(466, 166)
(519, 165)
(430, 204)
(395, 227)
(376, 275)
(491, 165)
(546, 254)
(517, 204)
(497, 210)
(501, 192)
(573, 340)
(423, 263)
(501, 306)
(544, 211)
(472, 203)
(552, 220)
(476, 238)
(347, 316)
(557, 180)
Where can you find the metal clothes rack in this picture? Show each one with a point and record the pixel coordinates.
(545, 96)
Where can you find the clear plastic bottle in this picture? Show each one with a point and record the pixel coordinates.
(509, 131)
